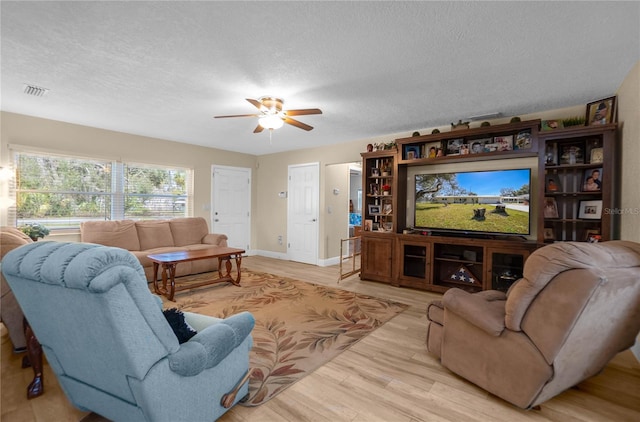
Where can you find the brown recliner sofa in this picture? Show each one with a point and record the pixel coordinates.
(146, 237)
(576, 307)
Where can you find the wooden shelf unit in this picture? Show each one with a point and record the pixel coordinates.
(422, 262)
(565, 163)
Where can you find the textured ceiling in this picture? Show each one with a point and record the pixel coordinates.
(164, 69)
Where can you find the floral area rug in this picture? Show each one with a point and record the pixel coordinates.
(299, 326)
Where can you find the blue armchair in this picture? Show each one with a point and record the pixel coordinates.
(111, 348)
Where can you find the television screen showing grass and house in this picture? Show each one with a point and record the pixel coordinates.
(494, 201)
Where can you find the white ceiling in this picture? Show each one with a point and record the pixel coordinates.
(164, 69)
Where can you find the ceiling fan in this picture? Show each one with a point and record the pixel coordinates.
(272, 116)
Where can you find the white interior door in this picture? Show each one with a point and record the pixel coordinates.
(302, 217)
(231, 204)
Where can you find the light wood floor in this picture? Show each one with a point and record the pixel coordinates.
(388, 376)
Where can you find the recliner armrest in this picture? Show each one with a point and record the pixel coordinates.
(211, 345)
(485, 310)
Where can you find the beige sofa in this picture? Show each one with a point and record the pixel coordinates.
(10, 312)
(142, 238)
(576, 307)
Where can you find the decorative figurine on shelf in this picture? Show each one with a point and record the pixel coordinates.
(460, 125)
(369, 147)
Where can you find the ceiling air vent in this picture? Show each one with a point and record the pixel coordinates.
(37, 91)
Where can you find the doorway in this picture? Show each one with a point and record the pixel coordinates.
(303, 212)
(231, 204)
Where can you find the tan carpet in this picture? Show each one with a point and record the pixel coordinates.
(299, 326)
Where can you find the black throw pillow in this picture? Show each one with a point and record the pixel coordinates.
(182, 330)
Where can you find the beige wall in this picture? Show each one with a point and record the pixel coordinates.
(55, 136)
(629, 121)
(270, 171)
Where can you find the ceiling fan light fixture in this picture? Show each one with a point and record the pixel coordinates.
(271, 122)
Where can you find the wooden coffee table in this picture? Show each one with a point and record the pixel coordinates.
(170, 260)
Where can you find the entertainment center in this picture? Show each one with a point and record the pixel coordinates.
(466, 208)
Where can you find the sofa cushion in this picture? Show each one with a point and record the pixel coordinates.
(188, 231)
(154, 234)
(121, 234)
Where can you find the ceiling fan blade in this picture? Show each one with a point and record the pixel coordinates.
(303, 111)
(258, 129)
(257, 104)
(237, 115)
(297, 123)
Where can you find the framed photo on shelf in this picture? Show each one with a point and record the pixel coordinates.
(523, 140)
(549, 234)
(590, 210)
(571, 153)
(368, 225)
(552, 124)
(375, 227)
(550, 209)
(477, 146)
(387, 209)
(552, 183)
(597, 155)
(375, 172)
(387, 226)
(505, 143)
(551, 154)
(592, 180)
(374, 189)
(453, 146)
(592, 235)
(374, 209)
(601, 112)
(411, 152)
(431, 149)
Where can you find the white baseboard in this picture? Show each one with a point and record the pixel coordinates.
(276, 255)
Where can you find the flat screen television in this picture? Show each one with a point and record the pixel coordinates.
(492, 202)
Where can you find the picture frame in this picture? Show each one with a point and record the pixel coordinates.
(550, 209)
(590, 210)
(431, 149)
(597, 155)
(368, 225)
(601, 112)
(592, 235)
(387, 226)
(551, 155)
(571, 153)
(505, 143)
(476, 146)
(592, 180)
(549, 234)
(375, 172)
(552, 183)
(375, 227)
(411, 152)
(374, 209)
(453, 146)
(522, 140)
(551, 124)
(374, 189)
(387, 208)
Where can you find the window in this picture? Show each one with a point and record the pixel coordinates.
(61, 192)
